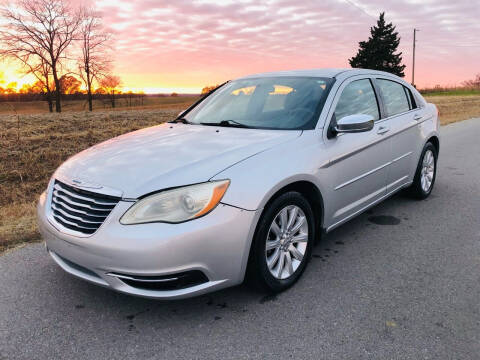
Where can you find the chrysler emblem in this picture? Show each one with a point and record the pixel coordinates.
(84, 184)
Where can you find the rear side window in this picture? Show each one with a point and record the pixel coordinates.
(394, 97)
(358, 97)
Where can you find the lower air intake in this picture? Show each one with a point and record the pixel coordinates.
(164, 283)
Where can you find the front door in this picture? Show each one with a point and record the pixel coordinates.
(357, 170)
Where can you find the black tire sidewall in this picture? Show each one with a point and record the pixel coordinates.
(258, 269)
(417, 184)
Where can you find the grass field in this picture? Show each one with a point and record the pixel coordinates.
(147, 102)
(450, 92)
(33, 144)
(454, 108)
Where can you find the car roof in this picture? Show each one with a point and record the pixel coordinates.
(326, 72)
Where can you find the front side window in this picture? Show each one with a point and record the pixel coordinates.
(358, 97)
(268, 102)
(394, 97)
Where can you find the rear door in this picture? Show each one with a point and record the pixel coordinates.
(357, 169)
(402, 119)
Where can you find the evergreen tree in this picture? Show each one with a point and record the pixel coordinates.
(378, 52)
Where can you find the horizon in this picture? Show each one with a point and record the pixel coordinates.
(188, 45)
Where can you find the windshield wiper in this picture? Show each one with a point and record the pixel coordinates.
(180, 120)
(227, 123)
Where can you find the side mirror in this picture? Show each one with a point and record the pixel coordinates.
(354, 123)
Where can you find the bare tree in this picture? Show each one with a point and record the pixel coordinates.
(43, 29)
(110, 83)
(93, 62)
(41, 70)
(42, 73)
(475, 83)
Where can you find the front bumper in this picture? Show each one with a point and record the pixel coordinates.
(217, 245)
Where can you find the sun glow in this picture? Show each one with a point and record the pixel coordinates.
(184, 46)
(162, 90)
(12, 78)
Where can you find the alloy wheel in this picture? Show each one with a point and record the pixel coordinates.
(427, 172)
(286, 242)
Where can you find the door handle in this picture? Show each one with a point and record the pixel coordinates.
(382, 130)
(417, 117)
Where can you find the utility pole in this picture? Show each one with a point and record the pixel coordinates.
(413, 63)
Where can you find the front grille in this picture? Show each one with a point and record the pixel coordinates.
(80, 210)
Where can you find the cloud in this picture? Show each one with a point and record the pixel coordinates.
(192, 43)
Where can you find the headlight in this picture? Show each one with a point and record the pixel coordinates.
(177, 205)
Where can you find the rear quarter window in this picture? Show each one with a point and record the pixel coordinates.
(411, 98)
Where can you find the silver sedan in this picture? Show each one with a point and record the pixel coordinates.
(241, 184)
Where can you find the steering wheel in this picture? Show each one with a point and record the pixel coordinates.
(297, 111)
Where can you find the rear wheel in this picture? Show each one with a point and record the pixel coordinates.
(282, 244)
(425, 174)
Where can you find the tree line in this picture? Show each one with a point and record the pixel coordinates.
(62, 45)
(69, 84)
(101, 96)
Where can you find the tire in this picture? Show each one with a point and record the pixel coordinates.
(263, 272)
(419, 188)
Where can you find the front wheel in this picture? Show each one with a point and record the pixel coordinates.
(282, 244)
(425, 174)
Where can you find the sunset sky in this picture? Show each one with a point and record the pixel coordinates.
(182, 46)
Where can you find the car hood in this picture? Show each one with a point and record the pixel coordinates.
(166, 156)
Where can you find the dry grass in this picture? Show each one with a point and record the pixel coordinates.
(148, 102)
(455, 108)
(32, 146)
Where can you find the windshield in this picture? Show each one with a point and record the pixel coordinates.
(267, 103)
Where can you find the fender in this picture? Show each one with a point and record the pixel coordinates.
(256, 179)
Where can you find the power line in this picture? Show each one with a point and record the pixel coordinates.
(429, 43)
(361, 9)
(451, 45)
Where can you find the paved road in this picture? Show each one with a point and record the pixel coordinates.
(408, 290)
